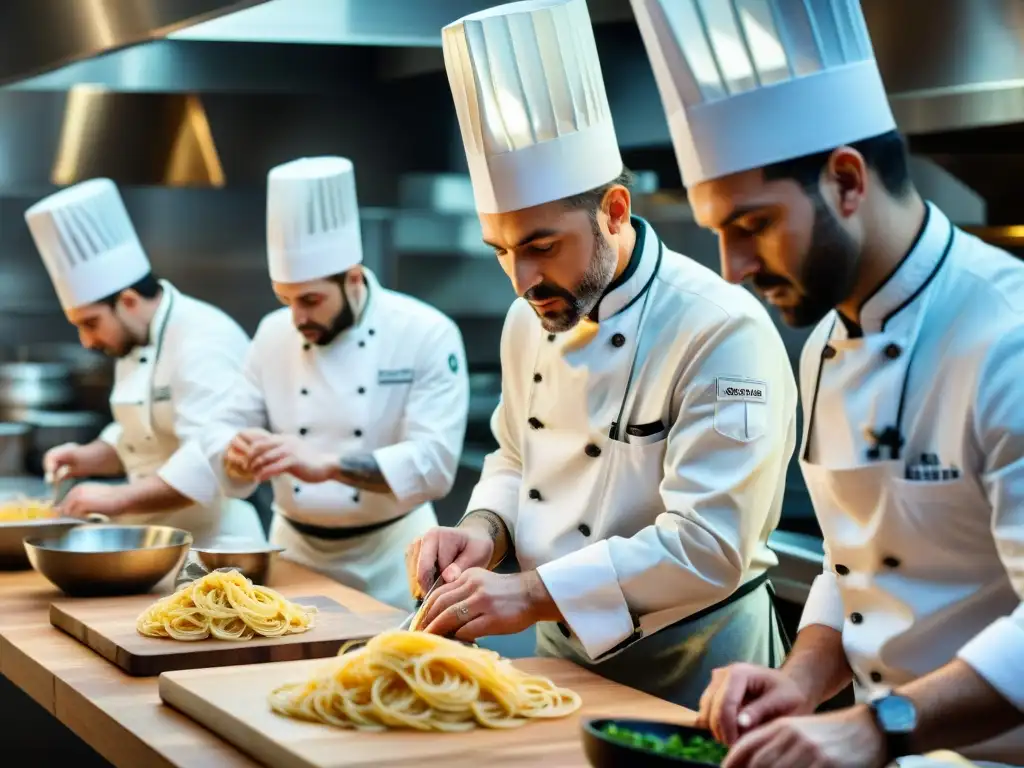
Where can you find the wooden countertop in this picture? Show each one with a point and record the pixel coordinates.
(121, 717)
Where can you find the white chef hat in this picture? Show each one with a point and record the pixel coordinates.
(312, 219)
(87, 242)
(531, 103)
(748, 83)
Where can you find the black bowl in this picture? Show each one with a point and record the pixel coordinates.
(604, 752)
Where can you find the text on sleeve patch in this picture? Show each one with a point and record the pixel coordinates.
(748, 390)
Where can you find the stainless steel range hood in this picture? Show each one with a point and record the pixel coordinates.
(950, 64)
(40, 35)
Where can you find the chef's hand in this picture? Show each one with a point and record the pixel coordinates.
(237, 455)
(743, 696)
(93, 498)
(448, 551)
(481, 602)
(66, 457)
(845, 739)
(273, 455)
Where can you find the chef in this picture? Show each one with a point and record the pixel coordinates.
(647, 409)
(913, 445)
(177, 358)
(355, 397)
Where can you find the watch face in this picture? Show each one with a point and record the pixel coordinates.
(896, 714)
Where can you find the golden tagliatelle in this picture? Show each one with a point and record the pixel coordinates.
(405, 679)
(19, 509)
(227, 606)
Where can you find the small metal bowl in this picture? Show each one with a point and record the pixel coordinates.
(603, 751)
(13, 556)
(253, 559)
(109, 559)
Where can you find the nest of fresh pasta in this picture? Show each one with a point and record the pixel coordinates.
(224, 605)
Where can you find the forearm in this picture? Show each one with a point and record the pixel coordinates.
(956, 707)
(360, 471)
(152, 494)
(818, 663)
(493, 526)
(99, 459)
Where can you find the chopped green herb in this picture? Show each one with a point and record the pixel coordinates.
(696, 748)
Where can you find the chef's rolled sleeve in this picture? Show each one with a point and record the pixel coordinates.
(208, 371)
(111, 434)
(585, 586)
(723, 478)
(997, 652)
(824, 603)
(421, 467)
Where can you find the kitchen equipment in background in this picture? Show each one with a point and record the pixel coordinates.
(28, 386)
(13, 556)
(255, 562)
(92, 373)
(53, 428)
(15, 444)
(109, 559)
(107, 626)
(484, 394)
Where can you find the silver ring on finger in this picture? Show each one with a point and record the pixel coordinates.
(462, 611)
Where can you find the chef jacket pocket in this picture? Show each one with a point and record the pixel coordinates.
(952, 514)
(646, 434)
(741, 420)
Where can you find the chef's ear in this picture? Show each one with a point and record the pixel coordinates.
(847, 174)
(354, 276)
(129, 299)
(616, 205)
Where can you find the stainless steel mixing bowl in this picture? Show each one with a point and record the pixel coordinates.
(109, 559)
(13, 556)
(254, 560)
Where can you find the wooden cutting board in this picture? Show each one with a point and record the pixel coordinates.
(232, 702)
(107, 626)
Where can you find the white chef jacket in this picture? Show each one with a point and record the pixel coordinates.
(394, 385)
(928, 564)
(164, 394)
(634, 533)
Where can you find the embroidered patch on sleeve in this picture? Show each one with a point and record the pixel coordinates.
(748, 390)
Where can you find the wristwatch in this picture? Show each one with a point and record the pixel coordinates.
(896, 717)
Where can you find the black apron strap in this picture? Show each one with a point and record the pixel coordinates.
(340, 534)
(773, 619)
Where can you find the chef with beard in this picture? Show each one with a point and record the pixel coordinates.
(355, 397)
(913, 445)
(647, 412)
(177, 359)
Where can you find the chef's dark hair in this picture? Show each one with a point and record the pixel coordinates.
(885, 154)
(148, 288)
(592, 199)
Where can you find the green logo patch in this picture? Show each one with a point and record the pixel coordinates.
(453, 363)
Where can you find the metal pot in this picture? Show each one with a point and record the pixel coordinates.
(91, 373)
(53, 428)
(35, 385)
(15, 444)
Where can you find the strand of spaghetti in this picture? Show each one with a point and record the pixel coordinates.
(227, 606)
(407, 679)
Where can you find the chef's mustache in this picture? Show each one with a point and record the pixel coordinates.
(313, 327)
(766, 280)
(548, 291)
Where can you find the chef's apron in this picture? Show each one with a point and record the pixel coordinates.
(672, 662)
(372, 563)
(143, 451)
